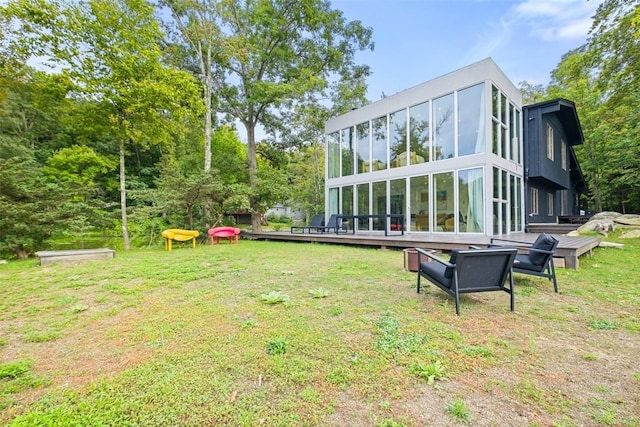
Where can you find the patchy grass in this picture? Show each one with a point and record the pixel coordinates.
(269, 333)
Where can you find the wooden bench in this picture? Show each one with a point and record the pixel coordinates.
(74, 255)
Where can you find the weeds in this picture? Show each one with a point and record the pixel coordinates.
(458, 410)
(431, 372)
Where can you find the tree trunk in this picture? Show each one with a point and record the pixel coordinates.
(208, 92)
(256, 223)
(123, 200)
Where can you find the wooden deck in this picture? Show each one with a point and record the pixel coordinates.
(569, 249)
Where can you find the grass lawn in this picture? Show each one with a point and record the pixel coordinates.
(291, 334)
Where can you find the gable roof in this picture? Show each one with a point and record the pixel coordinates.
(566, 112)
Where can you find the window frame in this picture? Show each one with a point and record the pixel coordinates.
(550, 143)
(534, 201)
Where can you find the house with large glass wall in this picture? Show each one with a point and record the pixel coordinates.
(447, 155)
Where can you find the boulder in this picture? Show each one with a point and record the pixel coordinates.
(628, 219)
(605, 215)
(602, 226)
(631, 234)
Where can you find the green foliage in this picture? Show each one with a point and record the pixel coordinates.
(391, 340)
(15, 377)
(277, 346)
(602, 324)
(274, 297)
(431, 372)
(319, 293)
(458, 410)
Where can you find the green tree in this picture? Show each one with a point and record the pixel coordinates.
(110, 51)
(268, 54)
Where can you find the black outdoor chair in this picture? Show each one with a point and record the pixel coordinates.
(316, 222)
(333, 225)
(472, 270)
(535, 258)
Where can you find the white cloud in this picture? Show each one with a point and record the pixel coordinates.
(555, 20)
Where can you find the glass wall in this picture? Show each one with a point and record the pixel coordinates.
(363, 205)
(419, 187)
(347, 152)
(471, 121)
(444, 131)
(333, 150)
(379, 198)
(334, 198)
(379, 144)
(419, 140)
(362, 148)
(445, 202)
(471, 200)
(398, 201)
(398, 138)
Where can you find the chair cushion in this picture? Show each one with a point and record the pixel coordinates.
(448, 272)
(543, 242)
(523, 262)
(435, 272)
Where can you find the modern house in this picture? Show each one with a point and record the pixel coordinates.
(447, 156)
(553, 178)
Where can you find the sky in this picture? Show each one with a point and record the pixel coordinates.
(419, 40)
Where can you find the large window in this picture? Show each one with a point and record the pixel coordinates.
(550, 142)
(379, 197)
(347, 151)
(471, 120)
(471, 200)
(419, 186)
(379, 144)
(363, 205)
(334, 198)
(398, 139)
(362, 149)
(419, 141)
(444, 131)
(398, 199)
(347, 200)
(445, 201)
(333, 144)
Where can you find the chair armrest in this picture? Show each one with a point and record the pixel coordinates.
(509, 241)
(475, 247)
(432, 256)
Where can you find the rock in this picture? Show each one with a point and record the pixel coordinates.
(605, 215)
(601, 226)
(610, 245)
(631, 234)
(628, 219)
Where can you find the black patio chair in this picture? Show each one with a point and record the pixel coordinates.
(333, 225)
(316, 222)
(472, 270)
(535, 258)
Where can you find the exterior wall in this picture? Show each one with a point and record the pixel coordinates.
(556, 181)
(438, 185)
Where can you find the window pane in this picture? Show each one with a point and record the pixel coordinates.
(494, 101)
(419, 135)
(333, 201)
(379, 203)
(471, 120)
(347, 200)
(363, 205)
(398, 138)
(363, 151)
(398, 197)
(471, 200)
(444, 127)
(333, 144)
(379, 146)
(443, 188)
(347, 152)
(420, 203)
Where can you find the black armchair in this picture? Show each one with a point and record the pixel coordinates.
(535, 258)
(473, 270)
